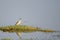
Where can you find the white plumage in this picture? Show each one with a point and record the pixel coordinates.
(18, 22)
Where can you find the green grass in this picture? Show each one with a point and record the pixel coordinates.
(19, 28)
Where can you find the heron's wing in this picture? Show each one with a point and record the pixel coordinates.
(18, 22)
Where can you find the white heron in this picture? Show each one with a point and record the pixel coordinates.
(18, 22)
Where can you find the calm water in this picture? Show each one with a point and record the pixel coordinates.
(36, 36)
